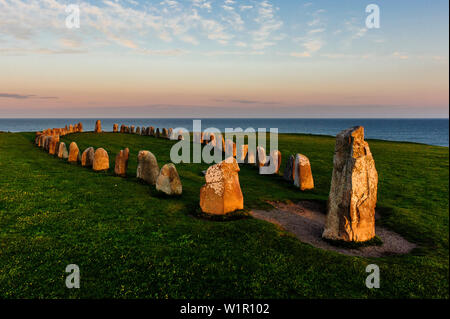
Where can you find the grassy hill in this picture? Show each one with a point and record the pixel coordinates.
(131, 242)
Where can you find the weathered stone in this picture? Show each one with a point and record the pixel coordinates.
(87, 158)
(101, 160)
(46, 143)
(272, 164)
(132, 129)
(62, 151)
(353, 192)
(52, 144)
(151, 131)
(121, 164)
(164, 133)
(147, 169)
(169, 181)
(242, 154)
(303, 177)
(115, 128)
(98, 126)
(74, 153)
(157, 133)
(222, 192)
(80, 128)
(276, 156)
(230, 148)
(288, 173)
(260, 156)
(138, 130)
(250, 157)
(122, 128)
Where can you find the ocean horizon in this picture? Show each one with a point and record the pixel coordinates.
(425, 131)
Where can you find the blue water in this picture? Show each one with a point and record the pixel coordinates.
(426, 131)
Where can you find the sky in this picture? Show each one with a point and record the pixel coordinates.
(224, 58)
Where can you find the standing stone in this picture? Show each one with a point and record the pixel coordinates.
(52, 144)
(222, 192)
(121, 164)
(169, 181)
(80, 127)
(260, 156)
(46, 142)
(87, 158)
(115, 128)
(250, 157)
(132, 129)
(303, 177)
(288, 174)
(272, 164)
(101, 160)
(170, 133)
(164, 133)
(353, 193)
(241, 153)
(138, 130)
(98, 126)
(147, 169)
(151, 131)
(157, 134)
(62, 151)
(71, 128)
(122, 128)
(276, 156)
(230, 148)
(74, 153)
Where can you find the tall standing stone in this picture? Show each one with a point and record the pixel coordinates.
(74, 153)
(87, 158)
(80, 127)
(260, 156)
(250, 157)
(222, 192)
(101, 160)
(121, 164)
(169, 181)
(242, 153)
(52, 144)
(147, 169)
(138, 130)
(115, 128)
(230, 148)
(288, 173)
(62, 151)
(272, 164)
(164, 133)
(98, 126)
(303, 177)
(353, 192)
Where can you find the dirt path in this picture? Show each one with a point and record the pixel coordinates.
(306, 221)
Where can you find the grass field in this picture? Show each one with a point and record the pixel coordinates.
(131, 242)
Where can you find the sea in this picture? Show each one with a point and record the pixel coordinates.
(425, 131)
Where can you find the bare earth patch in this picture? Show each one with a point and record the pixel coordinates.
(306, 220)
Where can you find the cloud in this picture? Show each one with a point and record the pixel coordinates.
(245, 101)
(268, 23)
(27, 96)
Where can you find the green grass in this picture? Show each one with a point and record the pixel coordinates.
(131, 242)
